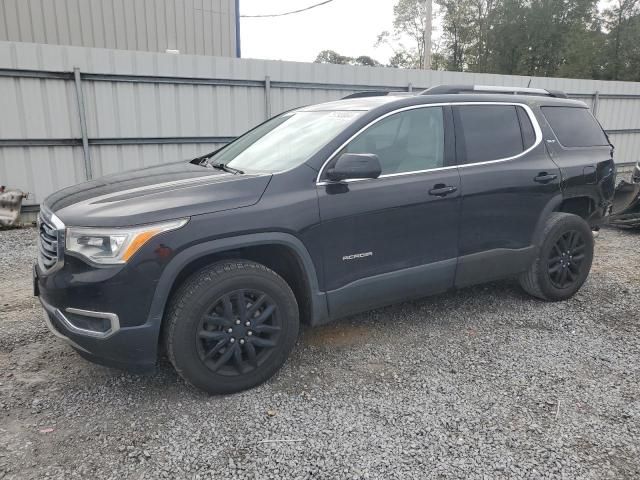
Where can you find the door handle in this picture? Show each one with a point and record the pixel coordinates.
(544, 177)
(442, 190)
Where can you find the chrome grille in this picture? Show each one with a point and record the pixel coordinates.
(50, 242)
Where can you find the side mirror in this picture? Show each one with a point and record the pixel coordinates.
(355, 165)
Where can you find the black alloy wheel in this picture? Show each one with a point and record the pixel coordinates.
(566, 259)
(563, 260)
(231, 326)
(238, 333)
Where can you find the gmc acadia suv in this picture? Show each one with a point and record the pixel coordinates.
(320, 213)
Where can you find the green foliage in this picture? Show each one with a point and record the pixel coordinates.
(330, 56)
(366, 61)
(567, 38)
(407, 38)
(622, 44)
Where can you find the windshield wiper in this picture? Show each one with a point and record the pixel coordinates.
(225, 168)
(201, 160)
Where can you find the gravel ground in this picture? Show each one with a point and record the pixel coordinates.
(480, 383)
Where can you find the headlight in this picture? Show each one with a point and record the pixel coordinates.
(111, 246)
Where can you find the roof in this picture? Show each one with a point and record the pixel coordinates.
(358, 104)
(370, 103)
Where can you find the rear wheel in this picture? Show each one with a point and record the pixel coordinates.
(231, 326)
(564, 259)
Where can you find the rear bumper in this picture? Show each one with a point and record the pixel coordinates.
(132, 348)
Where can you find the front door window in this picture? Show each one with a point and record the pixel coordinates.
(408, 141)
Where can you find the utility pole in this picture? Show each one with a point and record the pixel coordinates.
(426, 62)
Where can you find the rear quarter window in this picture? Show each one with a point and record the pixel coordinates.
(528, 133)
(575, 126)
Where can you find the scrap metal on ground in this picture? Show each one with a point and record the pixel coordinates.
(10, 206)
(626, 209)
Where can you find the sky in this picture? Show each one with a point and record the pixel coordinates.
(350, 27)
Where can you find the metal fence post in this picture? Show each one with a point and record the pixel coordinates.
(83, 123)
(267, 96)
(596, 102)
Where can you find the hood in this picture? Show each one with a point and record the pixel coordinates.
(155, 194)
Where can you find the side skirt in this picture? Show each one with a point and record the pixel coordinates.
(493, 265)
(392, 287)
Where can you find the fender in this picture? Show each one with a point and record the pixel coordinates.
(551, 207)
(319, 310)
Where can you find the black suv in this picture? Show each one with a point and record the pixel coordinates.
(320, 213)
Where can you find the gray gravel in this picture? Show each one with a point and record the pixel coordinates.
(480, 383)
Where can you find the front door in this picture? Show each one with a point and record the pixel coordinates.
(394, 237)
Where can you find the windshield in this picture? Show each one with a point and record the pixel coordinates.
(284, 142)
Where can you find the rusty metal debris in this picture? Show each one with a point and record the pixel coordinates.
(626, 204)
(10, 206)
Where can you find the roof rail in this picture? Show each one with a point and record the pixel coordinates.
(377, 93)
(453, 89)
(365, 94)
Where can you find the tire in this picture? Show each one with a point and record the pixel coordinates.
(566, 234)
(231, 326)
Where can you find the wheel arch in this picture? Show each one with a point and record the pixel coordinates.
(552, 206)
(282, 252)
(582, 206)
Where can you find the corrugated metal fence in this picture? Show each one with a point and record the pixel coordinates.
(200, 27)
(71, 113)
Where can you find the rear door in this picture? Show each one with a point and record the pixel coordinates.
(508, 180)
(396, 236)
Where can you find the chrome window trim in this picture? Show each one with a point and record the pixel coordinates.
(527, 109)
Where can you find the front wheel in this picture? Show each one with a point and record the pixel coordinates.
(231, 326)
(564, 259)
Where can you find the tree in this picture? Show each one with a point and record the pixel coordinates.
(550, 26)
(584, 54)
(330, 56)
(507, 39)
(623, 21)
(566, 38)
(408, 26)
(483, 16)
(522, 37)
(402, 60)
(365, 61)
(458, 32)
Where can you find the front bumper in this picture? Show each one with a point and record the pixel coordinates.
(100, 330)
(126, 348)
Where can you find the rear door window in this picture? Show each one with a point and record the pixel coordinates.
(575, 126)
(487, 132)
